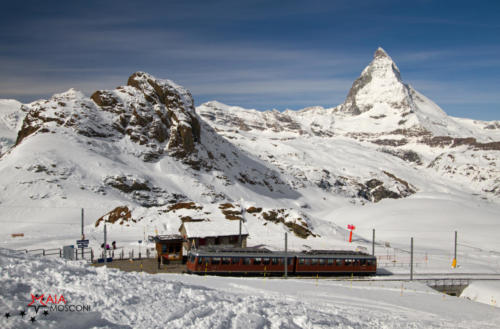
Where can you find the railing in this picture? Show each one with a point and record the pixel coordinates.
(89, 254)
(42, 252)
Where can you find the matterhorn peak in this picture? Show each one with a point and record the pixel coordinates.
(380, 52)
(382, 64)
(379, 84)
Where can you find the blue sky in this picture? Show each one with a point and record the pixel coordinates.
(256, 54)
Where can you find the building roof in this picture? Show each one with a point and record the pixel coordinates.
(214, 229)
(166, 238)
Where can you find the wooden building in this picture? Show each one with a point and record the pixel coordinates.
(169, 247)
(207, 233)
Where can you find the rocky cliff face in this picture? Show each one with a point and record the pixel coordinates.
(154, 113)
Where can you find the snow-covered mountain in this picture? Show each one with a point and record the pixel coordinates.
(145, 147)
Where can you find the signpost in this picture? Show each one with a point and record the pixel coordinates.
(82, 244)
(351, 228)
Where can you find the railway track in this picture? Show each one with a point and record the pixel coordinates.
(416, 277)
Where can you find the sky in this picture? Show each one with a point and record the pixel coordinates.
(254, 54)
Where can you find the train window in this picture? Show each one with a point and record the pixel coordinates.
(164, 248)
(215, 260)
(265, 261)
(246, 261)
(347, 262)
(369, 262)
(290, 261)
(322, 261)
(302, 261)
(226, 260)
(235, 260)
(338, 262)
(307, 261)
(257, 261)
(191, 258)
(275, 261)
(330, 261)
(314, 261)
(363, 262)
(201, 260)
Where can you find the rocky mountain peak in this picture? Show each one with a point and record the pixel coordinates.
(383, 64)
(155, 113)
(379, 87)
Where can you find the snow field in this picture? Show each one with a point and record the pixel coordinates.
(138, 300)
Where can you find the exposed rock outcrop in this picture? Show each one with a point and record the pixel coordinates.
(155, 113)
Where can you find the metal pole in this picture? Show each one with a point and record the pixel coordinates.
(456, 234)
(286, 256)
(373, 242)
(105, 256)
(411, 261)
(240, 240)
(83, 235)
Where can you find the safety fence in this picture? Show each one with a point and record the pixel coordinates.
(94, 256)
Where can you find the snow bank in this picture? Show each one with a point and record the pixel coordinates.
(487, 292)
(138, 300)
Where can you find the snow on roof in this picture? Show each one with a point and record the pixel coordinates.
(211, 229)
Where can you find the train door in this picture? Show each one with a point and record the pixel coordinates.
(295, 264)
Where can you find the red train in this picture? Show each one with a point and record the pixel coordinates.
(265, 262)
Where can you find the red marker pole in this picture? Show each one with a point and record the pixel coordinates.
(351, 228)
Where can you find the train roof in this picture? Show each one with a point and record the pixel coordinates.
(253, 252)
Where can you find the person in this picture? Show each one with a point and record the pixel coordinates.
(113, 244)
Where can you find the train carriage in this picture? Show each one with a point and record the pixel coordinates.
(247, 261)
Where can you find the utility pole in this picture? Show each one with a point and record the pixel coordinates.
(286, 256)
(411, 260)
(373, 242)
(83, 235)
(105, 255)
(240, 240)
(454, 264)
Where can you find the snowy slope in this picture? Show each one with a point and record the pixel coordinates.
(185, 301)
(11, 117)
(145, 147)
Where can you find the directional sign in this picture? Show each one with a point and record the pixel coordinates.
(82, 243)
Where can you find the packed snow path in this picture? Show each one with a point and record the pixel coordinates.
(139, 300)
